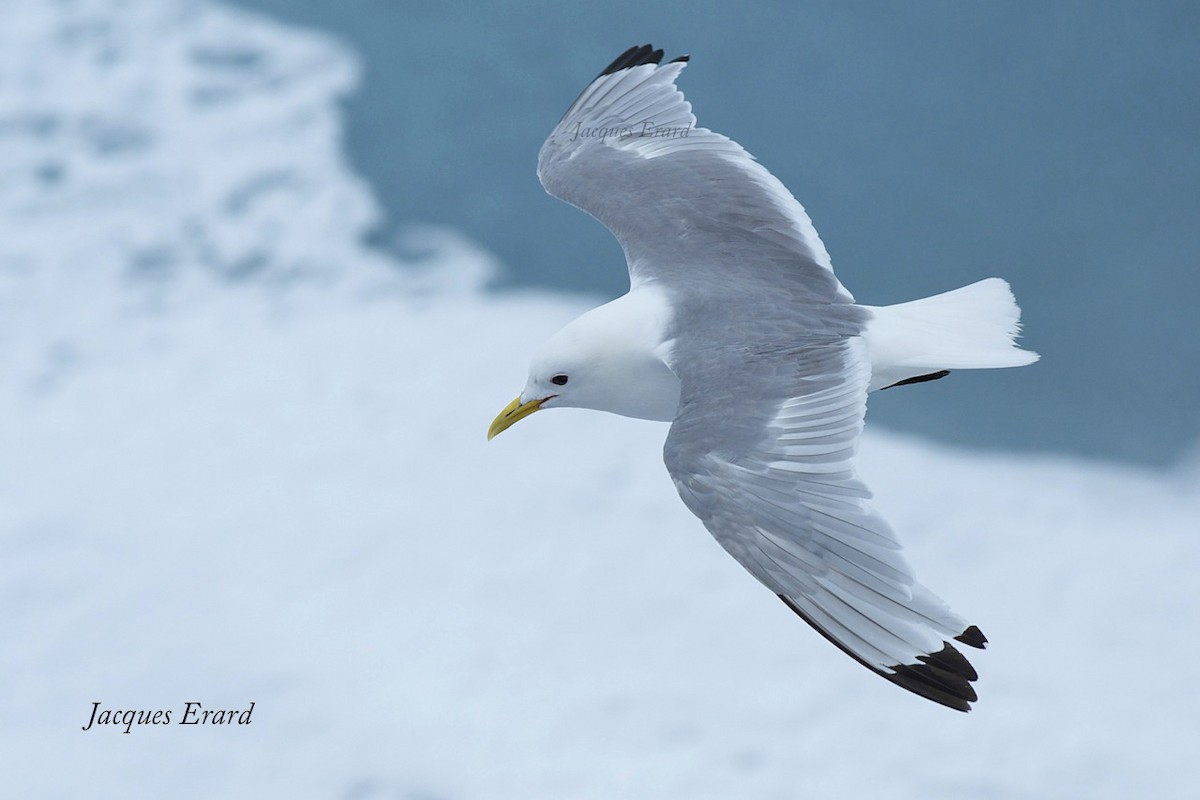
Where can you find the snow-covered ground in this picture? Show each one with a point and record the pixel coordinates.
(242, 459)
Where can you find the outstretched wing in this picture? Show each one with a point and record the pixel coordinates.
(683, 201)
(777, 489)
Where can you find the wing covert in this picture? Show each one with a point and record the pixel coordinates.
(681, 199)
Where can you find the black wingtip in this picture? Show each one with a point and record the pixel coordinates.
(635, 57)
(973, 637)
(943, 677)
(932, 376)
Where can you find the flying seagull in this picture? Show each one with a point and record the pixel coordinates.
(737, 332)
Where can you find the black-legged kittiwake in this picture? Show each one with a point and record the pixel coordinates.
(736, 330)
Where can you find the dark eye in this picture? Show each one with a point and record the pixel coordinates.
(559, 380)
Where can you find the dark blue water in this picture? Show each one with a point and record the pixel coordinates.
(933, 143)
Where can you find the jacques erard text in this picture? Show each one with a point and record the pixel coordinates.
(192, 714)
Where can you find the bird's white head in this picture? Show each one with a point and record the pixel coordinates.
(607, 360)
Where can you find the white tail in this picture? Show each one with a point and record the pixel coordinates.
(974, 327)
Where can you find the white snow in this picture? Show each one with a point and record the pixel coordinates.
(243, 458)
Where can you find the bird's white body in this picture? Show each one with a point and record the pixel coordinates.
(622, 345)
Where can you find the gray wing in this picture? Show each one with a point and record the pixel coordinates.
(684, 202)
(762, 453)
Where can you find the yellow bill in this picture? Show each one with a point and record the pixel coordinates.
(513, 413)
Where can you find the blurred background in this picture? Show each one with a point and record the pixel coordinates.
(268, 269)
(932, 143)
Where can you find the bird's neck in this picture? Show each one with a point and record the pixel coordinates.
(629, 334)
